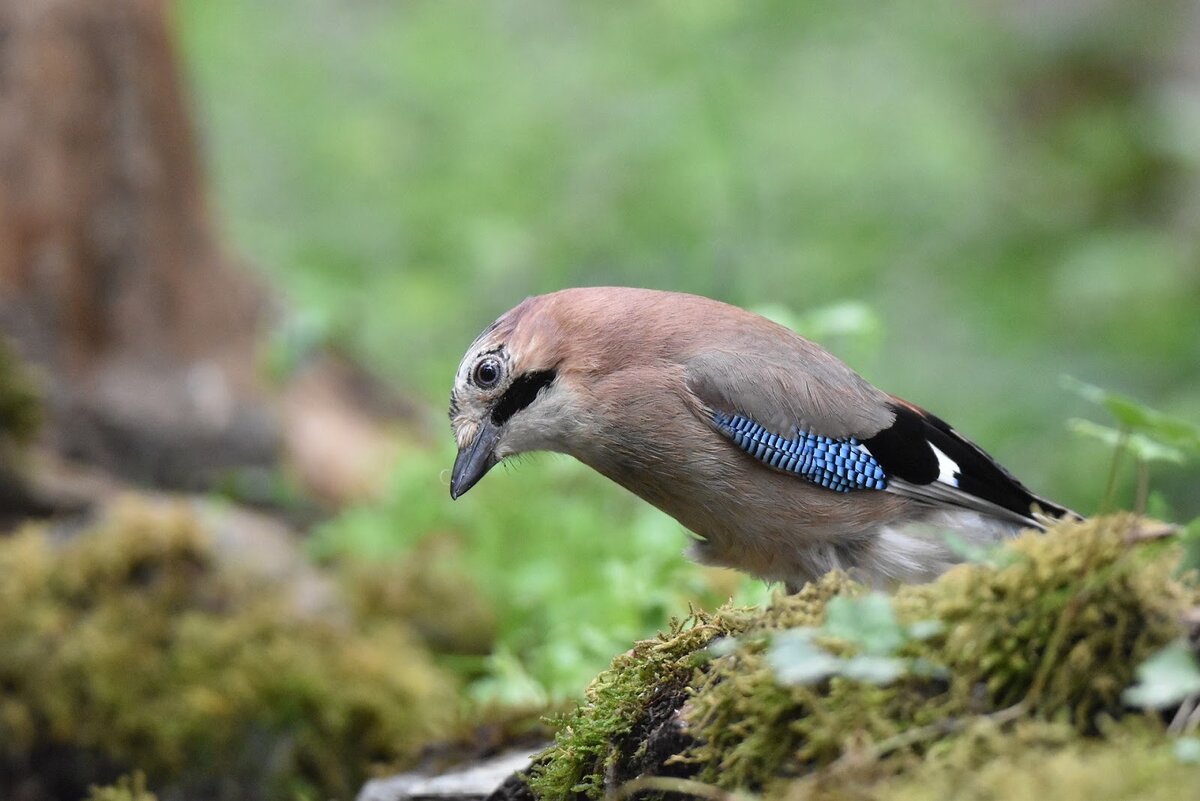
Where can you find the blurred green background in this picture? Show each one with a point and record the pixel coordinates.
(963, 200)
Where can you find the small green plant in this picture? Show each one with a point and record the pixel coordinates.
(1146, 434)
(868, 627)
(1187, 750)
(833, 684)
(1166, 678)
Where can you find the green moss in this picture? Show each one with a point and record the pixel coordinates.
(1024, 760)
(1063, 624)
(131, 642)
(991, 765)
(430, 590)
(20, 403)
(127, 788)
(1051, 631)
(1057, 627)
(585, 747)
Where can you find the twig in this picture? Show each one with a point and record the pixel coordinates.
(1155, 532)
(1187, 716)
(1193, 721)
(911, 737)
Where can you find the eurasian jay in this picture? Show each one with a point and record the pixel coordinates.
(785, 462)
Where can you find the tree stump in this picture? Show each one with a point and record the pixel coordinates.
(112, 280)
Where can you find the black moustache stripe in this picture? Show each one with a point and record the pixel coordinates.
(522, 392)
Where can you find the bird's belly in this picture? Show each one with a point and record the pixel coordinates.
(773, 525)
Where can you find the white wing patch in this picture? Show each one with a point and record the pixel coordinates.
(947, 468)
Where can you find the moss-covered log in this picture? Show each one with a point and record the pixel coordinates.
(1038, 642)
(134, 644)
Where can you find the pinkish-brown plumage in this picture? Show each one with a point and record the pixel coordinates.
(631, 382)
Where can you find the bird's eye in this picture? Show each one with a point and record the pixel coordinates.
(487, 373)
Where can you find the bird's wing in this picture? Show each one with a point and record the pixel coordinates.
(822, 422)
(788, 383)
(925, 458)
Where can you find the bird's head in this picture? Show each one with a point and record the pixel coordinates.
(509, 395)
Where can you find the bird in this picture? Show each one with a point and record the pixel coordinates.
(782, 461)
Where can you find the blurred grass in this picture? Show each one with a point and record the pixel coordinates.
(1010, 191)
(576, 574)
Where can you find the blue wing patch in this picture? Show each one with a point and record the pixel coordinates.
(837, 464)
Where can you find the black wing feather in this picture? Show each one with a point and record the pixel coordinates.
(905, 450)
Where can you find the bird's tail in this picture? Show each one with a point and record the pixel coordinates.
(1046, 513)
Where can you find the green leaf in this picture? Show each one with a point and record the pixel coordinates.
(721, 646)
(1166, 678)
(1187, 750)
(1142, 446)
(874, 669)
(796, 659)
(867, 621)
(1138, 417)
(1125, 410)
(924, 629)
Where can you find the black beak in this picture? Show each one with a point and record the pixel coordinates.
(474, 459)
